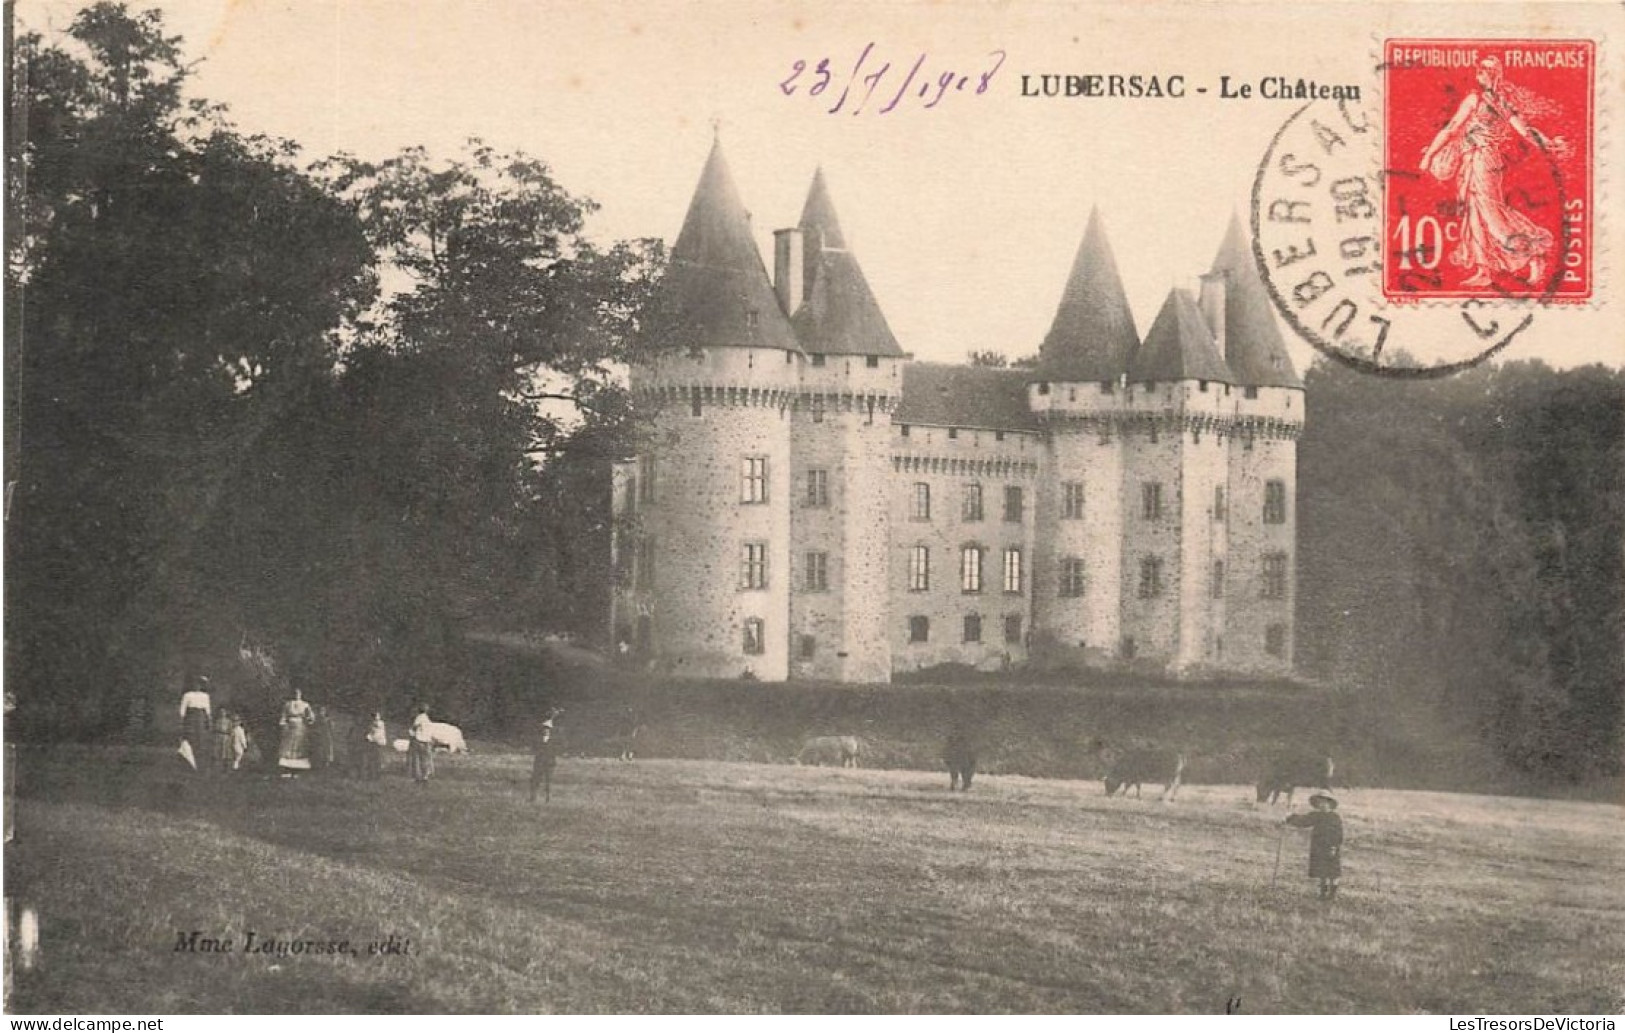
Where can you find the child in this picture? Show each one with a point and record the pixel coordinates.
(239, 742)
(1325, 842)
(377, 746)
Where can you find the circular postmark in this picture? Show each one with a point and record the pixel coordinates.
(1327, 241)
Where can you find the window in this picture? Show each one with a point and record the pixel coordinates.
(1072, 500)
(973, 627)
(818, 411)
(694, 403)
(1150, 577)
(1274, 502)
(1217, 588)
(1219, 512)
(970, 568)
(809, 647)
(1106, 387)
(1012, 572)
(817, 488)
(1251, 392)
(872, 361)
(1274, 586)
(1012, 504)
(753, 566)
(922, 502)
(818, 360)
(753, 319)
(1151, 500)
(753, 479)
(632, 494)
(1128, 649)
(919, 629)
(998, 435)
(1012, 629)
(755, 636)
(971, 511)
(645, 573)
(1247, 440)
(817, 571)
(1071, 578)
(953, 433)
(1275, 640)
(903, 427)
(646, 484)
(919, 568)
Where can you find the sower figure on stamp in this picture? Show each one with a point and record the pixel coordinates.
(1325, 842)
(1473, 150)
(545, 749)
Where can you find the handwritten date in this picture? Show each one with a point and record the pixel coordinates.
(864, 82)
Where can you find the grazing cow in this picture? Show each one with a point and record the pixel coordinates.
(1286, 772)
(960, 756)
(1136, 766)
(448, 738)
(842, 750)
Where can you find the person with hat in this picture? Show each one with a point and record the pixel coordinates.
(1325, 842)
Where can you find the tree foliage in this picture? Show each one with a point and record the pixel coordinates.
(1460, 547)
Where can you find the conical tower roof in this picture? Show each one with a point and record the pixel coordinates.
(715, 292)
(1093, 336)
(840, 315)
(1179, 346)
(1252, 341)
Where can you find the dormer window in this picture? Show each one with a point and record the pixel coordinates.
(753, 319)
(1043, 388)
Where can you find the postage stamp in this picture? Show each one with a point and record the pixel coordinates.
(1489, 173)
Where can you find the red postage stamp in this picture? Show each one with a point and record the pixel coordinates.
(1488, 173)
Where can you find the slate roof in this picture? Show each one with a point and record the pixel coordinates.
(1179, 346)
(1093, 335)
(716, 281)
(840, 315)
(943, 395)
(1252, 339)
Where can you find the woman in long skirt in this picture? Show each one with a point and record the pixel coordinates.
(195, 713)
(293, 755)
(377, 744)
(420, 751)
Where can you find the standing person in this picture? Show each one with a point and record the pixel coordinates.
(223, 721)
(293, 754)
(196, 711)
(545, 750)
(1325, 842)
(321, 739)
(239, 742)
(420, 749)
(373, 750)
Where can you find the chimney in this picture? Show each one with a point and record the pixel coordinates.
(1211, 303)
(789, 269)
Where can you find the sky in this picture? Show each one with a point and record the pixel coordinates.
(965, 216)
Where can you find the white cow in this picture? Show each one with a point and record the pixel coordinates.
(443, 736)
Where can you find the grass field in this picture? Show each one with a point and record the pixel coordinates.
(706, 886)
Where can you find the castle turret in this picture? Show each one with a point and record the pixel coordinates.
(1175, 460)
(711, 552)
(840, 451)
(1267, 415)
(1078, 395)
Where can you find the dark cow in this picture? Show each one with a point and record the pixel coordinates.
(960, 756)
(1285, 773)
(1136, 766)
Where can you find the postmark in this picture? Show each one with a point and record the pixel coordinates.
(1488, 149)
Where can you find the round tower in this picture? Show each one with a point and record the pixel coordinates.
(712, 531)
(1262, 476)
(1080, 399)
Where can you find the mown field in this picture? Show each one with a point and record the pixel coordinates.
(710, 886)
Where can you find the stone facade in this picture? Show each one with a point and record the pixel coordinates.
(810, 503)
